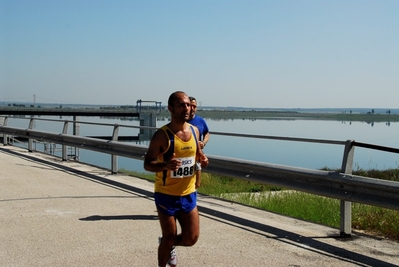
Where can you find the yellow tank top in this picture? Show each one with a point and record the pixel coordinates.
(182, 181)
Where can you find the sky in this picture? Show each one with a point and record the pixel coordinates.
(245, 53)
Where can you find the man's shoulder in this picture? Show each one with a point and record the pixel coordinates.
(199, 118)
(166, 127)
(162, 130)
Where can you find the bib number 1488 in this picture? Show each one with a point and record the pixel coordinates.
(184, 171)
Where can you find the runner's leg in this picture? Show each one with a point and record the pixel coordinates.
(189, 223)
(169, 230)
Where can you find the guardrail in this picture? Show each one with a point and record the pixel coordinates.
(339, 185)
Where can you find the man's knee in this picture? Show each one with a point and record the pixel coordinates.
(190, 240)
(169, 239)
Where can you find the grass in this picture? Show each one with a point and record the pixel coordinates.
(369, 219)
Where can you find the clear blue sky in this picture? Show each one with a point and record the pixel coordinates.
(272, 54)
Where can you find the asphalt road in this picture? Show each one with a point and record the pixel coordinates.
(55, 213)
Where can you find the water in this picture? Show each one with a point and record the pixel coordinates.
(301, 154)
(298, 154)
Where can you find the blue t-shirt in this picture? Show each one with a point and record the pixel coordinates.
(200, 123)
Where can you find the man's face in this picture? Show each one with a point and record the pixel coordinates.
(181, 108)
(193, 108)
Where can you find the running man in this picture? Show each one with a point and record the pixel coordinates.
(199, 122)
(172, 154)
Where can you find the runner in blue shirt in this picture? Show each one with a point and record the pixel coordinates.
(199, 122)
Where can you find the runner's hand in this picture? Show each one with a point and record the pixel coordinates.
(173, 164)
(204, 161)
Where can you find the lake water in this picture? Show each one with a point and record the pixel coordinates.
(303, 154)
(298, 154)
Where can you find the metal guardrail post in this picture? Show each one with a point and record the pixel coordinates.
(64, 147)
(114, 158)
(30, 140)
(76, 131)
(346, 206)
(5, 136)
(76, 126)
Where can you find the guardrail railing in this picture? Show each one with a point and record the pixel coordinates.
(339, 185)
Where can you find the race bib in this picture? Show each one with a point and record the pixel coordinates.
(186, 169)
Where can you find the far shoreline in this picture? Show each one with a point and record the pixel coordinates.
(227, 113)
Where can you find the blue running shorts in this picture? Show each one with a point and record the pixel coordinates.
(172, 204)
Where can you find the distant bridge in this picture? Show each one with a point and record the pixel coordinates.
(146, 119)
(69, 112)
(80, 111)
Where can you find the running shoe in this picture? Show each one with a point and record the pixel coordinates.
(173, 256)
